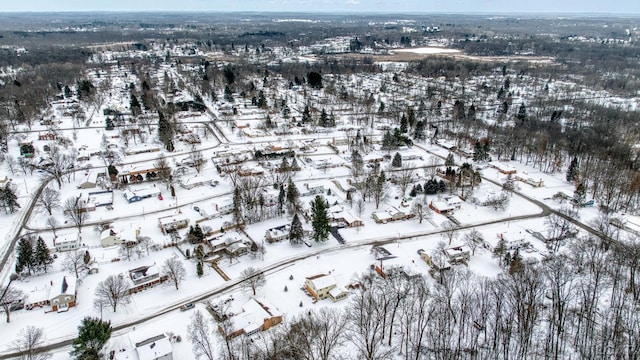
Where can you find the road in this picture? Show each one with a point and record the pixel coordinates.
(232, 284)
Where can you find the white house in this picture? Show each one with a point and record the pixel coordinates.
(154, 348)
(173, 222)
(67, 242)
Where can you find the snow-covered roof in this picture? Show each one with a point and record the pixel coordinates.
(67, 285)
(153, 348)
(323, 281)
(253, 315)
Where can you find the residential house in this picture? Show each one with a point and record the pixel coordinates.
(90, 180)
(280, 233)
(392, 213)
(144, 277)
(67, 242)
(458, 254)
(140, 194)
(323, 286)
(62, 296)
(196, 181)
(257, 315)
(343, 218)
(311, 189)
(154, 348)
(173, 222)
(503, 167)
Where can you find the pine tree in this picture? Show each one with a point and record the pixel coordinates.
(397, 160)
(42, 254)
(404, 124)
(93, 333)
(574, 170)
(306, 115)
(25, 255)
(324, 119)
(320, 219)
(87, 258)
(9, 198)
(293, 196)
(579, 195)
(450, 161)
(296, 233)
(282, 197)
(237, 207)
(199, 270)
(411, 117)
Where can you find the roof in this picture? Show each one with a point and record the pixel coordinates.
(172, 219)
(66, 286)
(336, 291)
(323, 281)
(154, 347)
(253, 314)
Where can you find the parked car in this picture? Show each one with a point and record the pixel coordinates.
(186, 307)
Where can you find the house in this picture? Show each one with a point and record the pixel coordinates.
(343, 218)
(280, 233)
(441, 207)
(111, 237)
(172, 222)
(90, 180)
(313, 189)
(62, 296)
(144, 277)
(503, 168)
(140, 194)
(257, 315)
(142, 149)
(67, 242)
(457, 254)
(154, 348)
(392, 213)
(323, 286)
(196, 181)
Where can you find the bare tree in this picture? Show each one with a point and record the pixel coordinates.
(114, 290)
(49, 200)
(174, 269)
(52, 223)
(473, 239)
(163, 169)
(200, 336)
(74, 262)
(253, 279)
(58, 165)
(9, 297)
(28, 344)
(144, 241)
(198, 160)
(74, 212)
(449, 229)
(405, 177)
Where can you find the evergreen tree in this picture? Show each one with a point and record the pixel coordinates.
(450, 161)
(237, 207)
(25, 259)
(522, 113)
(404, 124)
(418, 133)
(293, 196)
(228, 94)
(87, 258)
(411, 117)
(42, 254)
(320, 219)
(324, 119)
(471, 113)
(165, 131)
(574, 170)
(199, 270)
(93, 333)
(296, 234)
(9, 198)
(306, 115)
(397, 160)
(282, 197)
(480, 152)
(516, 265)
(579, 195)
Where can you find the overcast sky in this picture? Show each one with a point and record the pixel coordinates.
(339, 6)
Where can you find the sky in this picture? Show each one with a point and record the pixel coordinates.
(623, 7)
